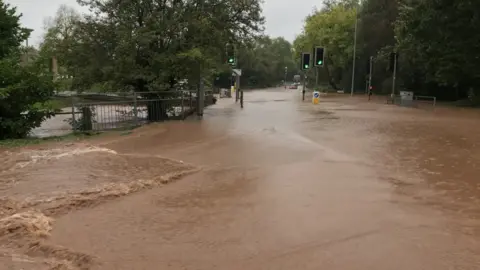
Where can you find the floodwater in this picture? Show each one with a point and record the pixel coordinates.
(281, 184)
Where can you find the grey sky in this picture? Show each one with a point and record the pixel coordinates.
(284, 17)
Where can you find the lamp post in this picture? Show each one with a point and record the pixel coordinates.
(354, 50)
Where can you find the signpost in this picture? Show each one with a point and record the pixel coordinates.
(238, 92)
(316, 97)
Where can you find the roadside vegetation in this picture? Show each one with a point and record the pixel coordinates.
(125, 46)
(437, 42)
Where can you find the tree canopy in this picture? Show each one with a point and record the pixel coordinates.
(149, 45)
(436, 40)
(331, 28)
(24, 92)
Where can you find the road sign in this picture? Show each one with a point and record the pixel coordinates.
(237, 72)
(316, 97)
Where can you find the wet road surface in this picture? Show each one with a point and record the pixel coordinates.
(280, 184)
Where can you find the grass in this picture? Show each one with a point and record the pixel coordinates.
(12, 143)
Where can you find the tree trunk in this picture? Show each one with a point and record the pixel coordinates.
(331, 80)
(156, 111)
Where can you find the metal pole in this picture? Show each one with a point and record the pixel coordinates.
(200, 94)
(370, 73)
(394, 74)
(240, 92)
(135, 109)
(285, 81)
(316, 77)
(74, 121)
(304, 82)
(354, 50)
(241, 99)
(237, 86)
(26, 51)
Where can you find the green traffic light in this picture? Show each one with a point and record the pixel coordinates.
(306, 66)
(230, 60)
(320, 62)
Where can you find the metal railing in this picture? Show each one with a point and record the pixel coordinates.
(107, 112)
(415, 102)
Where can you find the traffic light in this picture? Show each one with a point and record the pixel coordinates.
(305, 61)
(319, 56)
(231, 55)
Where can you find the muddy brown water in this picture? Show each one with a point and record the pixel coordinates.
(281, 184)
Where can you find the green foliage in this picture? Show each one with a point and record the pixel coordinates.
(24, 93)
(148, 45)
(263, 62)
(437, 41)
(331, 27)
(11, 33)
(441, 39)
(24, 97)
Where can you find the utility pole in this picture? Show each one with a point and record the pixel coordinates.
(285, 81)
(354, 50)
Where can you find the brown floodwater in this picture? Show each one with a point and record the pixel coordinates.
(281, 184)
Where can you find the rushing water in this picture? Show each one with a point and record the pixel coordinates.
(282, 184)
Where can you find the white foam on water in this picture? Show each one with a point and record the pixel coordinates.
(55, 154)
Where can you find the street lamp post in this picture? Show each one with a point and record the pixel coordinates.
(354, 50)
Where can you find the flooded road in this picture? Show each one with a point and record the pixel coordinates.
(281, 184)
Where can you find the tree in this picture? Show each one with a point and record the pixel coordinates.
(149, 45)
(23, 92)
(11, 33)
(440, 40)
(381, 16)
(332, 28)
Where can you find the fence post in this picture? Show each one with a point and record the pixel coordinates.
(74, 122)
(135, 109)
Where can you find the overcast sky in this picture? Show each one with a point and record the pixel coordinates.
(284, 17)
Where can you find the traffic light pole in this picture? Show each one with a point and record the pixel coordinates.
(237, 96)
(200, 96)
(394, 75)
(304, 82)
(239, 91)
(370, 77)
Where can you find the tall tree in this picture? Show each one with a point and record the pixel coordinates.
(23, 91)
(439, 38)
(12, 34)
(149, 44)
(332, 28)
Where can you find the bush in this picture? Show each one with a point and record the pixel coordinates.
(24, 99)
